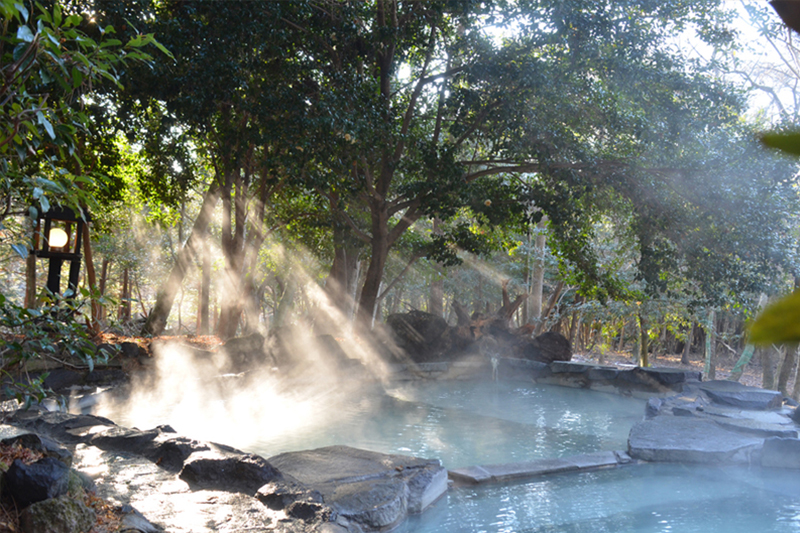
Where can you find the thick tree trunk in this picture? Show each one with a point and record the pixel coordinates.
(769, 355)
(91, 278)
(537, 275)
(157, 319)
(710, 369)
(787, 369)
(30, 270)
(374, 276)
(551, 303)
(203, 327)
(644, 359)
(687, 348)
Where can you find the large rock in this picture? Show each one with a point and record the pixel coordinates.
(689, 440)
(230, 472)
(548, 347)
(57, 515)
(372, 489)
(46, 478)
(423, 336)
(735, 394)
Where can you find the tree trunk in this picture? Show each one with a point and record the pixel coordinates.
(787, 369)
(621, 337)
(91, 280)
(102, 285)
(537, 275)
(30, 270)
(710, 369)
(124, 311)
(551, 303)
(687, 348)
(644, 360)
(203, 327)
(157, 319)
(436, 298)
(380, 250)
(768, 359)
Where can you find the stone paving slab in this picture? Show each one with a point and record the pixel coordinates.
(514, 471)
(689, 440)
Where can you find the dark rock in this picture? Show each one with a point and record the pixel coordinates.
(235, 473)
(658, 379)
(246, 353)
(690, 440)
(796, 415)
(60, 379)
(105, 376)
(781, 453)
(421, 335)
(653, 407)
(308, 511)
(279, 494)
(57, 515)
(567, 367)
(552, 346)
(161, 447)
(132, 350)
(42, 444)
(738, 395)
(366, 487)
(44, 479)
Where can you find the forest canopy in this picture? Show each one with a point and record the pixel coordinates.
(400, 155)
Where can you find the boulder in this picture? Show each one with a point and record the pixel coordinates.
(373, 489)
(44, 479)
(734, 394)
(57, 515)
(548, 347)
(423, 336)
(689, 440)
(246, 353)
(217, 470)
(42, 444)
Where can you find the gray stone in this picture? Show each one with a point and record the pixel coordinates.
(57, 515)
(376, 503)
(603, 373)
(659, 378)
(690, 440)
(46, 478)
(653, 407)
(370, 488)
(569, 367)
(781, 453)
(734, 394)
(41, 444)
(230, 472)
(796, 415)
(279, 494)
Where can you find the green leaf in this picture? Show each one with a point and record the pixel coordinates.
(77, 77)
(779, 322)
(37, 193)
(45, 203)
(46, 123)
(785, 142)
(24, 33)
(21, 250)
(22, 11)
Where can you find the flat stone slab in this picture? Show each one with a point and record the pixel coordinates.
(515, 471)
(374, 489)
(689, 440)
(735, 394)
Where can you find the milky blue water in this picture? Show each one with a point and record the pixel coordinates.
(649, 498)
(468, 423)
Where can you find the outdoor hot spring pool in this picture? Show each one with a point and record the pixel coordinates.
(466, 423)
(647, 498)
(462, 423)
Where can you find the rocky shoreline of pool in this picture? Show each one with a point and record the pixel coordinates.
(180, 484)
